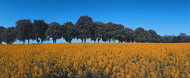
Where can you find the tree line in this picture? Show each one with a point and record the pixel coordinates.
(83, 29)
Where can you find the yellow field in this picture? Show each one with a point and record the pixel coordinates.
(95, 60)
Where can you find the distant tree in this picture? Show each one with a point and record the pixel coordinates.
(141, 35)
(68, 30)
(125, 35)
(8, 36)
(120, 35)
(116, 32)
(113, 32)
(188, 38)
(175, 39)
(162, 39)
(1, 31)
(83, 28)
(130, 35)
(54, 31)
(98, 30)
(94, 32)
(39, 29)
(183, 37)
(167, 39)
(105, 29)
(170, 39)
(153, 36)
(110, 31)
(24, 30)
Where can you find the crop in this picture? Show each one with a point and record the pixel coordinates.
(124, 60)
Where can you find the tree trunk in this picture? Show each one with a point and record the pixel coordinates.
(23, 41)
(41, 41)
(53, 40)
(28, 41)
(98, 40)
(37, 40)
(1, 42)
(82, 40)
(85, 40)
(69, 41)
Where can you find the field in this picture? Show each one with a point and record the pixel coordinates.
(123, 60)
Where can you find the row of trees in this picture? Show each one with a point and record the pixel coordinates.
(84, 29)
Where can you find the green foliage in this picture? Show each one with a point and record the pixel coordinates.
(54, 31)
(1, 31)
(39, 29)
(24, 30)
(9, 35)
(68, 30)
(85, 28)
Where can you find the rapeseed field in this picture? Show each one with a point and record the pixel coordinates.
(121, 60)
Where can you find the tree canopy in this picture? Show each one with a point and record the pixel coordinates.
(24, 30)
(54, 31)
(1, 31)
(39, 30)
(8, 35)
(68, 30)
(85, 28)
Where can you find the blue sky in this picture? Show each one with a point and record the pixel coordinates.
(165, 16)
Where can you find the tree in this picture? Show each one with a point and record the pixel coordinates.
(39, 29)
(1, 31)
(98, 30)
(130, 35)
(24, 30)
(94, 32)
(68, 30)
(120, 35)
(141, 35)
(8, 36)
(175, 39)
(154, 37)
(83, 28)
(54, 31)
(167, 39)
(125, 34)
(110, 31)
(162, 39)
(104, 31)
(114, 31)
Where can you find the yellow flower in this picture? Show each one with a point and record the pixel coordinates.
(123, 60)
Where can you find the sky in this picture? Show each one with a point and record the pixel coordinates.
(169, 17)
